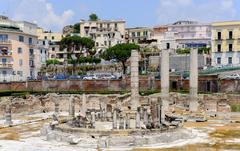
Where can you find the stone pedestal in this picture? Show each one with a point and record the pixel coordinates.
(193, 80)
(165, 79)
(8, 115)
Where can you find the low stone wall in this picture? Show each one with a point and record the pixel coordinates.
(207, 84)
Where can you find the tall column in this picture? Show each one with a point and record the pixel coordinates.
(193, 80)
(145, 116)
(134, 80)
(56, 106)
(114, 119)
(84, 106)
(72, 106)
(93, 119)
(138, 118)
(8, 115)
(164, 81)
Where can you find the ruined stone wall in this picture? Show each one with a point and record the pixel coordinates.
(218, 102)
(207, 84)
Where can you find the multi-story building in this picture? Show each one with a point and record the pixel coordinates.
(226, 43)
(184, 34)
(138, 34)
(105, 33)
(51, 41)
(18, 41)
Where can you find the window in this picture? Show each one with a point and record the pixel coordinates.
(97, 44)
(138, 34)
(53, 37)
(105, 43)
(30, 41)
(21, 38)
(229, 60)
(20, 62)
(219, 60)
(41, 51)
(4, 60)
(4, 72)
(44, 43)
(133, 34)
(19, 50)
(230, 34)
(20, 73)
(219, 48)
(45, 37)
(145, 33)
(219, 36)
(230, 47)
(30, 52)
(116, 25)
(53, 48)
(3, 37)
(168, 45)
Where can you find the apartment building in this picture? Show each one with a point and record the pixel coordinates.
(226, 43)
(183, 34)
(138, 34)
(18, 43)
(50, 41)
(105, 33)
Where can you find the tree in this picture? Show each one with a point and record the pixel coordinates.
(76, 28)
(52, 61)
(76, 43)
(120, 52)
(93, 17)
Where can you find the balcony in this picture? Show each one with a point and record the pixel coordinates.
(5, 54)
(5, 42)
(6, 65)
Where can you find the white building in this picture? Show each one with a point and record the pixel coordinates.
(184, 34)
(105, 33)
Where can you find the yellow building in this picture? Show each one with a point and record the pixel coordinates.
(226, 43)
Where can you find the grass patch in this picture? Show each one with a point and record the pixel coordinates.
(235, 107)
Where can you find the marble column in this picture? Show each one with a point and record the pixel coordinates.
(8, 115)
(145, 116)
(84, 104)
(193, 80)
(134, 80)
(56, 103)
(164, 82)
(93, 119)
(72, 106)
(138, 118)
(114, 119)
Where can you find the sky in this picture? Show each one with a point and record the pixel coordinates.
(55, 14)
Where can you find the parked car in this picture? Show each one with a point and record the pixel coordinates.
(107, 77)
(60, 77)
(233, 76)
(74, 77)
(90, 77)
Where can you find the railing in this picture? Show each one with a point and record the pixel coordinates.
(6, 65)
(9, 54)
(6, 42)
